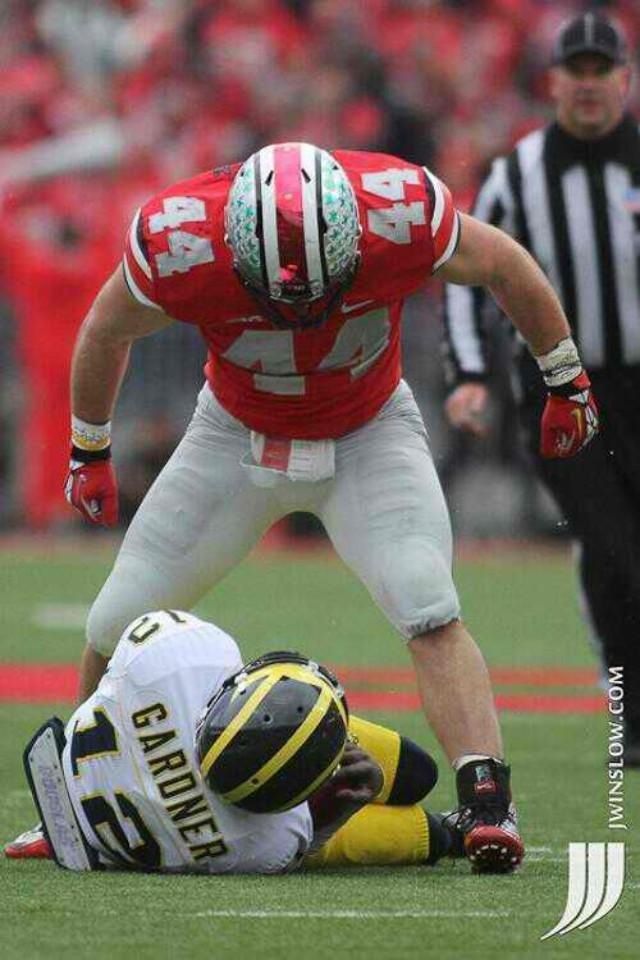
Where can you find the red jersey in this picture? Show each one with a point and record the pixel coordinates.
(315, 383)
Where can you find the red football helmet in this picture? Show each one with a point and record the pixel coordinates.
(293, 227)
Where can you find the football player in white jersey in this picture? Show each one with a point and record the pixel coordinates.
(185, 760)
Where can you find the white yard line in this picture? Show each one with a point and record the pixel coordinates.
(348, 914)
(60, 616)
(543, 858)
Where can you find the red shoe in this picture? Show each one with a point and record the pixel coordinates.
(494, 847)
(30, 845)
(486, 818)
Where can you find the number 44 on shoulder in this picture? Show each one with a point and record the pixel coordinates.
(394, 222)
(186, 250)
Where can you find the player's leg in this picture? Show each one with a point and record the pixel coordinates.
(409, 772)
(388, 519)
(199, 519)
(387, 836)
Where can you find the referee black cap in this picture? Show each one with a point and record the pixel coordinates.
(590, 33)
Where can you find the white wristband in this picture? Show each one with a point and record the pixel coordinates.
(560, 365)
(90, 436)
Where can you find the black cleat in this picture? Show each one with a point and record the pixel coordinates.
(444, 825)
(486, 821)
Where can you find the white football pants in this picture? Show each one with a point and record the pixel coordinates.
(384, 511)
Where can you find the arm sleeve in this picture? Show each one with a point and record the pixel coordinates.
(464, 345)
(135, 264)
(445, 222)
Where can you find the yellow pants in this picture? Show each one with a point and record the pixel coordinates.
(377, 836)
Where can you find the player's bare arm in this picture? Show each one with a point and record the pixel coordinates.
(99, 363)
(490, 258)
(101, 352)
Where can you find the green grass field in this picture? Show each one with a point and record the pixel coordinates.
(522, 611)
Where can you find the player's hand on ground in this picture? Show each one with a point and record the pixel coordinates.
(359, 778)
(569, 420)
(92, 489)
(466, 408)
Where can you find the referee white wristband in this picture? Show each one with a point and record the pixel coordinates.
(560, 365)
(91, 437)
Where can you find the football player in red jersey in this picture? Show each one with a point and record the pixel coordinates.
(294, 266)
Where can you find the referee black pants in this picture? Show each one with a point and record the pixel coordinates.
(598, 493)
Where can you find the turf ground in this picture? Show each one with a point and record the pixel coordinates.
(521, 609)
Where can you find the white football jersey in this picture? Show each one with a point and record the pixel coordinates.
(130, 760)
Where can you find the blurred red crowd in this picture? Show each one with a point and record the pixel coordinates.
(102, 103)
(142, 92)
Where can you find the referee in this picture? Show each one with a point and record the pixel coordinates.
(570, 193)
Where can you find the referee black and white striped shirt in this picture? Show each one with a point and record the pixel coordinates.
(575, 205)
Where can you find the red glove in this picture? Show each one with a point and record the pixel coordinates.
(569, 420)
(91, 486)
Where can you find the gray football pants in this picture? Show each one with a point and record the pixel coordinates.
(383, 510)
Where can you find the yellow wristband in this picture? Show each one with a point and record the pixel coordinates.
(92, 437)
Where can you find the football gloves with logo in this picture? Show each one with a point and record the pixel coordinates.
(570, 417)
(569, 420)
(91, 486)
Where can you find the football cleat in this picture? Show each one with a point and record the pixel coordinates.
(486, 818)
(444, 836)
(30, 845)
